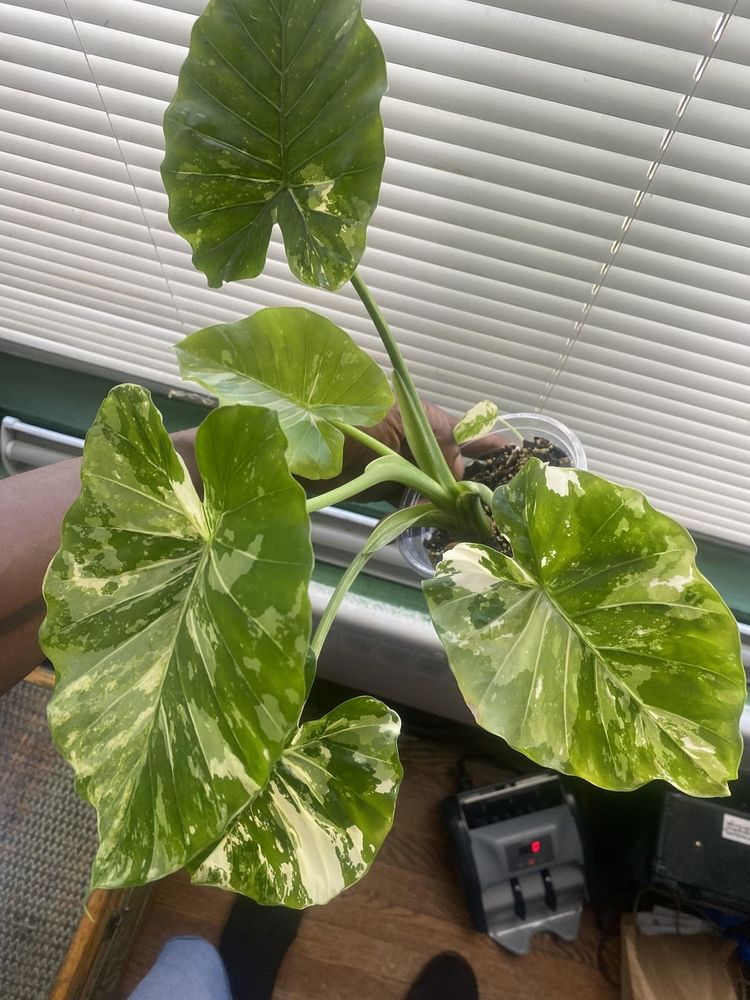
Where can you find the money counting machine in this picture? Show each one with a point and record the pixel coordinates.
(521, 859)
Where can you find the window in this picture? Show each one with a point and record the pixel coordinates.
(563, 221)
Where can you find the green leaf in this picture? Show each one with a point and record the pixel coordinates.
(276, 119)
(178, 629)
(599, 650)
(311, 669)
(302, 366)
(317, 826)
(475, 423)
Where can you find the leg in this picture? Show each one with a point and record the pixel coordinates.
(445, 975)
(188, 968)
(254, 943)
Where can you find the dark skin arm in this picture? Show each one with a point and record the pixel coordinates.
(33, 504)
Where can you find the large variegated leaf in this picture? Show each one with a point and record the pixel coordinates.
(318, 824)
(276, 119)
(599, 650)
(178, 629)
(302, 366)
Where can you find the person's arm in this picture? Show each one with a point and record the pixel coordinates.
(31, 509)
(32, 506)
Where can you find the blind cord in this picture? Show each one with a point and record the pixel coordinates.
(185, 327)
(666, 140)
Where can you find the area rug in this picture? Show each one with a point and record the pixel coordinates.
(47, 843)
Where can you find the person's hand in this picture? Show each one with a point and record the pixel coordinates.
(390, 431)
(184, 445)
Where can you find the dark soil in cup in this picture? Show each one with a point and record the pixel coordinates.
(494, 470)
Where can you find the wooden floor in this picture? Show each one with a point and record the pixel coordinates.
(371, 942)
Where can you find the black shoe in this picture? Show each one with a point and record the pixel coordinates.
(253, 945)
(447, 976)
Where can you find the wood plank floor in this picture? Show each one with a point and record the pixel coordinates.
(371, 942)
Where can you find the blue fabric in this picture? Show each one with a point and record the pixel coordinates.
(188, 968)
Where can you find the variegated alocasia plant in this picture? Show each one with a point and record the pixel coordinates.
(179, 624)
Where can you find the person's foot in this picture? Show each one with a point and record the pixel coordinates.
(447, 976)
(253, 945)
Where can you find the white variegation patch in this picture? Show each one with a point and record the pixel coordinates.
(317, 825)
(562, 481)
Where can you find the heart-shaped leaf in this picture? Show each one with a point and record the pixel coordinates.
(317, 826)
(599, 649)
(302, 366)
(476, 422)
(276, 119)
(178, 629)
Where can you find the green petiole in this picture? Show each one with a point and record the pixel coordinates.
(385, 532)
(364, 438)
(419, 434)
(388, 469)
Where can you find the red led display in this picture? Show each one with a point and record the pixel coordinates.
(536, 846)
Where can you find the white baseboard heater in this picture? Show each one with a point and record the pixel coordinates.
(383, 648)
(24, 446)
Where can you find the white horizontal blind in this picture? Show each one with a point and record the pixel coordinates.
(563, 223)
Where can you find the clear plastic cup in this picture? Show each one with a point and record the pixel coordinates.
(531, 425)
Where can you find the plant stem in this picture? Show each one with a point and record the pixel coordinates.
(515, 433)
(390, 468)
(419, 433)
(481, 489)
(385, 532)
(394, 352)
(471, 513)
(364, 438)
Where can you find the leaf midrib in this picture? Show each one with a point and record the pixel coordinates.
(158, 699)
(651, 713)
(253, 380)
(600, 662)
(310, 410)
(284, 181)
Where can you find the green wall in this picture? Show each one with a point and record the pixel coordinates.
(65, 400)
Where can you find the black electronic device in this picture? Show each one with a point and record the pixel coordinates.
(521, 858)
(703, 848)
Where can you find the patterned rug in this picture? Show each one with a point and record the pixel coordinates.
(47, 843)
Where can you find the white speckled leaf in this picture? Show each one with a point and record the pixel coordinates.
(302, 366)
(317, 826)
(599, 650)
(276, 119)
(476, 422)
(178, 629)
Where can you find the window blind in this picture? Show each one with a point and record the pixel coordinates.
(563, 223)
